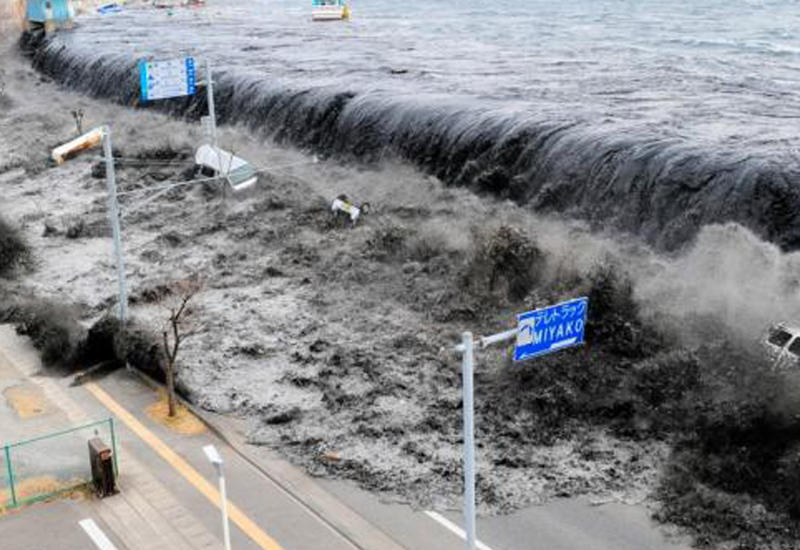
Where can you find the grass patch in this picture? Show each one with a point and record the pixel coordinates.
(44, 488)
(184, 422)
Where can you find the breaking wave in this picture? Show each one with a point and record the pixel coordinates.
(648, 182)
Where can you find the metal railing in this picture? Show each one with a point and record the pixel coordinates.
(44, 467)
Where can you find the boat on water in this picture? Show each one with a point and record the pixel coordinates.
(329, 10)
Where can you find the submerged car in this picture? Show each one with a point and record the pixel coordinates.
(216, 162)
(782, 344)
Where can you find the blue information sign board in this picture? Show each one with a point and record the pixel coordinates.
(550, 329)
(164, 79)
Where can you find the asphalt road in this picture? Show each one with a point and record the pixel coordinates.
(564, 524)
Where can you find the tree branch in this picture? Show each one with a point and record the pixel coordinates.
(166, 346)
(184, 301)
(176, 335)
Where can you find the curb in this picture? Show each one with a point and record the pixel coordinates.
(322, 505)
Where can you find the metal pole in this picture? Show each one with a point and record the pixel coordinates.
(224, 505)
(114, 446)
(469, 441)
(10, 477)
(212, 113)
(113, 212)
(212, 118)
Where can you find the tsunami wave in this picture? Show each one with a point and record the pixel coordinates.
(661, 189)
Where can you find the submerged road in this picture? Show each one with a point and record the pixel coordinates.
(168, 492)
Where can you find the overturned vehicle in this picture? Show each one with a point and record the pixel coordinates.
(782, 345)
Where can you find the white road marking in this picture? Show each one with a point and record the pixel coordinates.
(98, 537)
(452, 527)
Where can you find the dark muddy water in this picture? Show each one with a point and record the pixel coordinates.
(653, 117)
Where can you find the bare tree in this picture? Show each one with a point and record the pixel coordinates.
(174, 333)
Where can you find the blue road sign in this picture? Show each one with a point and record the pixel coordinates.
(551, 329)
(164, 79)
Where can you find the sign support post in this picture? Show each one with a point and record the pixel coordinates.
(212, 120)
(538, 332)
(469, 440)
(212, 113)
(466, 349)
(113, 211)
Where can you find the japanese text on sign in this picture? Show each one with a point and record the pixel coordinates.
(550, 329)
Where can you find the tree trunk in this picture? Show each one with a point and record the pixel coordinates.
(170, 372)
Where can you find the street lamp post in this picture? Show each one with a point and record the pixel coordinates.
(214, 457)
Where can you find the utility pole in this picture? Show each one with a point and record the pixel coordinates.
(212, 113)
(113, 212)
(92, 139)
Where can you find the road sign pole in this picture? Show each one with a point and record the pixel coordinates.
(572, 316)
(212, 114)
(113, 212)
(469, 440)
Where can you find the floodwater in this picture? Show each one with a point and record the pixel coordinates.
(654, 117)
(710, 70)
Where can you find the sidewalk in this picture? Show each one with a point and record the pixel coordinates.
(168, 497)
(143, 516)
